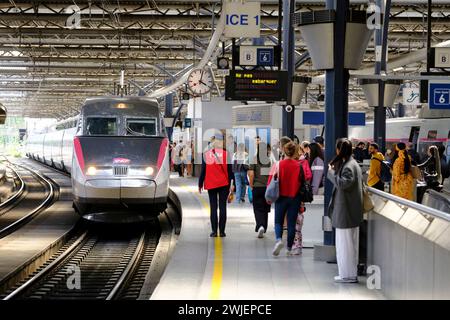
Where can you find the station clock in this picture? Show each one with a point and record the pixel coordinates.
(200, 81)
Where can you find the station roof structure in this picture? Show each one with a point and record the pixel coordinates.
(48, 67)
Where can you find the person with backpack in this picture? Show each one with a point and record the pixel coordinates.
(258, 175)
(402, 179)
(288, 203)
(375, 170)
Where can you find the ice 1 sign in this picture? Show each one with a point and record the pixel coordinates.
(242, 19)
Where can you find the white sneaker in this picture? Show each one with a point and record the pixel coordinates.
(289, 252)
(338, 279)
(277, 248)
(296, 251)
(261, 232)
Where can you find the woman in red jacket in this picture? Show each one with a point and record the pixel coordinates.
(216, 177)
(289, 200)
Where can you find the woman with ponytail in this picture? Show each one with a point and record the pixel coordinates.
(346, 209)
(402, 178)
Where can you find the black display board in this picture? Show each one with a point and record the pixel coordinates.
(256, 85)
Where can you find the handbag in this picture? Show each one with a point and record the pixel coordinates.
(305, 191)
(273, 190)
(416, 173)
(367, 201)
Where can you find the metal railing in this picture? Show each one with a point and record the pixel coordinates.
(411, 204)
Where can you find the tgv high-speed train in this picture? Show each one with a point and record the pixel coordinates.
(420, 132)
(116, 151)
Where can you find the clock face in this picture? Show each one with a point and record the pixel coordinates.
(200, 81)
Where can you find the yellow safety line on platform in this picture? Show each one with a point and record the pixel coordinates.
(216, 282)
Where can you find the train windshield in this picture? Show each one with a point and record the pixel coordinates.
(141, 127)
(101, 126)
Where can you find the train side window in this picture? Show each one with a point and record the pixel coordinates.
(448, 137)
(101, 126)
(432, 134)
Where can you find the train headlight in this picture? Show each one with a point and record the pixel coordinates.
(91, 171)
(149, 171)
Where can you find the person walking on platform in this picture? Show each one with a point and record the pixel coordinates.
(258, 175)
(346, 209)
(216, 177)
(402, 179)
(288, 203)
(374, 178)
(240, 167)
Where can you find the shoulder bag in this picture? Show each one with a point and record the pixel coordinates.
(305, 190)
(367, 201)
(273, 189)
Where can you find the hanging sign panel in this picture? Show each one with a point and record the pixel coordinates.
(439, 95)
(256, 85)
(242, 19)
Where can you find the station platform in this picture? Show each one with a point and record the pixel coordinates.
(241, 266)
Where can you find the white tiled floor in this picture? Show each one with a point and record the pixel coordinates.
(249, 271)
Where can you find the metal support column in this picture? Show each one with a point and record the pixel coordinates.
(288, 47)
(336, 98)
(168, 110)
(380, 66)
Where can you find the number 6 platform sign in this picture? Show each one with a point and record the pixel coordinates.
(242, 19)
(439, 95)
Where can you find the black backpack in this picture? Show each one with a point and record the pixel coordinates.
(385, 174)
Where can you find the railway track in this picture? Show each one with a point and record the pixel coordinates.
(100, 263)
(35, 195)
(19, 183)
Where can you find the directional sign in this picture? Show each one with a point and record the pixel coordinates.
(248, 56)
(441, 57)
(256, 56)
(265, 56)
(439, 95)
(411, 96)
(187, 122)
(242, 19)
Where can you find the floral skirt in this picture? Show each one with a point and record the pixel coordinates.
(298, 240)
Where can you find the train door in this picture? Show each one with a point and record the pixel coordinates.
(414, 137)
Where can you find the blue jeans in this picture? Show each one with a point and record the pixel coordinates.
(290, 206)
(240, 185)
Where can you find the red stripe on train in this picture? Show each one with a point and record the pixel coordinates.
(162, 152)
(79, 153)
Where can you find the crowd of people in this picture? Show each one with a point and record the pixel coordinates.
(228, 177)
(181, 158)
(407, 169)
(298, 165)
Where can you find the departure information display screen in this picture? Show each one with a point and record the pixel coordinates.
(260, 85)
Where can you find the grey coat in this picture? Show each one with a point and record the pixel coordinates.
(346, 205)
